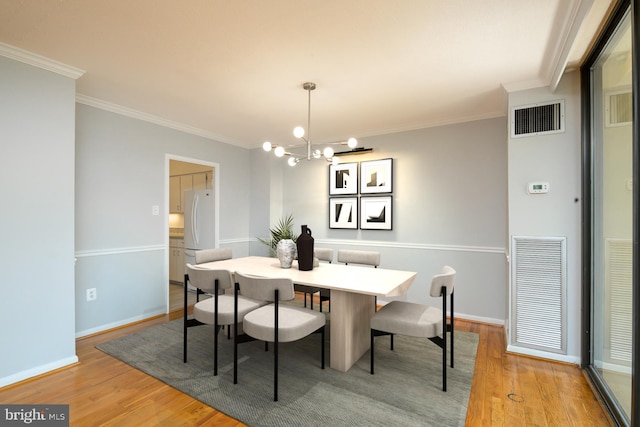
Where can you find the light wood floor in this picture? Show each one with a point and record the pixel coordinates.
(507, 390)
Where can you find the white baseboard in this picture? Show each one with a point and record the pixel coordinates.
(480, 319)
(38, 370)
(106, 327)
(544, 354)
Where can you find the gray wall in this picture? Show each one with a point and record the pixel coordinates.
(449, 207)
(37, 186)
(121, 172)
(555, 159)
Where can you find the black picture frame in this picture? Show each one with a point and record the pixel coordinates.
(376, 213)
(343, 213)
(343, 179)
(376, 176)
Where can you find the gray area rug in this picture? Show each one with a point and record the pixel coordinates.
(405, 390)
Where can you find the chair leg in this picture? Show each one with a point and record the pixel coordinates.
(215, 350)
(184, 331)
(444, 363)
(452, 328)
(275, 371)
(275, 345)
(235, 334)
(391, 340)
(322, 343)
(371, 351)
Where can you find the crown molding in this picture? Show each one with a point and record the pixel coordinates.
(39, 61)
(129, 112)
(574, 20)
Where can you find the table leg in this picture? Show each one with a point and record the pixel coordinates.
(350, 336)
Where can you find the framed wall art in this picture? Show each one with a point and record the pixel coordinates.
(376, 176)
(376, 213)
(343, 212)
(343, 179)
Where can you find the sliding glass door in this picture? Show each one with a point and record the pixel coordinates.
(609, 187)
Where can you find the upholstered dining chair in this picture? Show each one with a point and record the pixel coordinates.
(210, 255)
(218, 310)
(215, 254)
(418, 320)
(275, 322)
(348, 256)
(322, 254)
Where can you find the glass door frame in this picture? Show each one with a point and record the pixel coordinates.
(612, 23)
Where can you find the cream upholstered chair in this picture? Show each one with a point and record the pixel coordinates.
(322, 254)
(275, 322)
(218, 310)
(371, 258)
(359, 257)
(210, 255)
(325, 254)
(417, 320)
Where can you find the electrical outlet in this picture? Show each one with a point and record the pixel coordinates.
(92, 294)
(155, 210)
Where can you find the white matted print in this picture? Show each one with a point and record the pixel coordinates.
(343, 179)
(343, 212)
(376, 176)
(375, 213)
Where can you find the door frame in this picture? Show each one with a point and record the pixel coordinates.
(216, 194)
(615, 17)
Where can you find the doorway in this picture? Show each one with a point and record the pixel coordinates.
(185, 175)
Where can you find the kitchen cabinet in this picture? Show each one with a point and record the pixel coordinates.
(177, 186)
(176, 260)
(202, 181)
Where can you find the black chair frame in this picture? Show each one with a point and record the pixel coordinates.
(439, 341)
(193, 322)
(239, 339)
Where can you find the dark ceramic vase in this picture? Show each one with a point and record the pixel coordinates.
(305, 249)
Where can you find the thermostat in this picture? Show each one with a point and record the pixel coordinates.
(538, 187)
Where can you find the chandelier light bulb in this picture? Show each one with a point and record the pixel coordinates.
(298, 132)
(294, 152)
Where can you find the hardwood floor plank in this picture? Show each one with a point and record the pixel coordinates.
(102, 391)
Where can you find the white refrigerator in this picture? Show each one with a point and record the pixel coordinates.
(199, 223)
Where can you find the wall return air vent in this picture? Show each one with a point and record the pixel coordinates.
(537, 119)
(618, 108)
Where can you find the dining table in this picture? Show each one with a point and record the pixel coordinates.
(353, 292)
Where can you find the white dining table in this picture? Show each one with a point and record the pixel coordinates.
(353, 291)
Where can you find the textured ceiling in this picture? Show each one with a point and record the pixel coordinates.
(234, 69)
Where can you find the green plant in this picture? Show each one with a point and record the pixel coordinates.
(282, 230)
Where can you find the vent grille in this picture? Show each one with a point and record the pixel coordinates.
(619, 108)
(537, 119)
(618, 281)
(539, 297)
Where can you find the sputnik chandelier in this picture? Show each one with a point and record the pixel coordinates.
(298, 132)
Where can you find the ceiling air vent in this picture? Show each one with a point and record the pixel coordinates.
(537, 119)
(619, 108)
